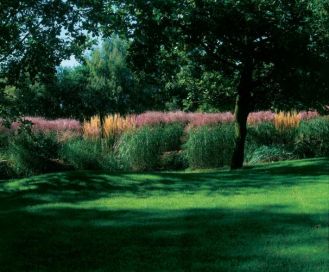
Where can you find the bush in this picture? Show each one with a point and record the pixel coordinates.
(210, 146)
(313, 138)
(171, 135)
(31, 154)
(5, 171)
(143, 148)
(270, 154)
(88, 154)
(266, 134)
(4, 140)
(173, 160)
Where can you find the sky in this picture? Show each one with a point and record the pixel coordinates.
(71, 62)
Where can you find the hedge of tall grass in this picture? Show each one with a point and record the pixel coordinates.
(88, 154)
(142, 149)
(267, 141)
(167, 145)
(313, 138)
(30, 154)
(210, 146)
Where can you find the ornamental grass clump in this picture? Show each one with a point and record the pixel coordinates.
(92, 128)
(34, 153)
(270, 153)
(140, 149)
(54, 126)
(286, 124)
(210, 146)
(116, 124)
(88, 154)
(144, 148)
(156, 118)
(312, 139)
(113, 126)
(286, 120)
(260, 116)
(186, 118)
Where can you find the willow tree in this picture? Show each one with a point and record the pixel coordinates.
(275, 47)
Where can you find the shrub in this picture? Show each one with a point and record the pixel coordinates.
(270, 154)
(266, 133)
(313, 138)
(4, 140)
(87, 154)
(36, 153)
(171, 136)
(5, 171)
(173, 160)
(210, 146)
(141, 149)
(263, 133)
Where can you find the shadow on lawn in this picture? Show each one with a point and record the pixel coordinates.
(185, 240)
(63, 239)
(88, 185)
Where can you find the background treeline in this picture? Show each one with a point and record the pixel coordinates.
(104, 83)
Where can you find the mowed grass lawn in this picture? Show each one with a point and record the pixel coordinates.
(268, 218)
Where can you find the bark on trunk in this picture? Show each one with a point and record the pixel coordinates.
(102, 121)
(242, 109)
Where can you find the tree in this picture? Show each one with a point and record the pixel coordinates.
(37, 34)
(110, 81)
(273, 47)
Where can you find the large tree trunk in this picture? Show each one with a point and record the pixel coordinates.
(242, 109)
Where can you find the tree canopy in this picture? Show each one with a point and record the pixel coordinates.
(273, 47)
(36, 35)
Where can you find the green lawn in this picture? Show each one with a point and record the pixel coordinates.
(268, 218)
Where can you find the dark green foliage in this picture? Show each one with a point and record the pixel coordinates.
(270, 154)
(171, 135)
(210, 146)
(36, 35)
(4, 140)
(173, 160)
(142, 149)
(5, 170)
(84, 154)
(265, 133)
(277, 50)
(110, 81)
(102, 84)
(31, 154)
(313, 138)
